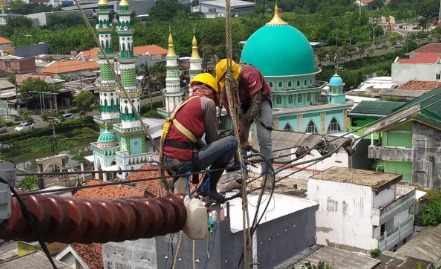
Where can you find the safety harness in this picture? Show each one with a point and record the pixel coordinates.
(181, 145)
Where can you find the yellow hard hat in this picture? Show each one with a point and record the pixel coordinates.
(221, 69)
(207, 79)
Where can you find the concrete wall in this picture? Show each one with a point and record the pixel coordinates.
(344, 214)
(427, 156)
(402, 73)
(397, 167)
(384, 198)
(32, 50)
(275, 241)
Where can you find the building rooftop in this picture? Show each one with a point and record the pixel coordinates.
(378, 181)
(90, 253)
(280, 204)
(5, 41)
(149, 49)
(420, 85)
(422, 58)
(68, 66)
(234, 3)
(432, 47)
(31, 261)
(376, 108)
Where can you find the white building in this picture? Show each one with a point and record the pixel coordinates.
(361, 209)
(216, 8)
(424, 67)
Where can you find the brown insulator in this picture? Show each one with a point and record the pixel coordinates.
(70, 219)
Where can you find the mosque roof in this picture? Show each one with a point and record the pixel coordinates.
(336, 81)
(106, 137)
(279, 49)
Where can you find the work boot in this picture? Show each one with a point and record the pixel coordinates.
(219, 198)
(267, 181)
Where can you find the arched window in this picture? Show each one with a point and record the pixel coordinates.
(280, 84)
(298, 83)
(311, 128)
(288, 128)
(271, 84)
(278, 99)
(289, 84)
(334, 127)
(299, 98)
(305, 83)
(308, 97)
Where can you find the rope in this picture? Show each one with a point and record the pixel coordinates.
(117, 78)
(193, 251)
(231, 90)
(178, 247)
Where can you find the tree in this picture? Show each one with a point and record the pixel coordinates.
(26, 115)
(29, 183)
(84, 100)
(30, 88)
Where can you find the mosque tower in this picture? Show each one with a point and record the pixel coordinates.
(173, 94)
(130, 130)
(336, 94)
(195, 62)
(107, 86)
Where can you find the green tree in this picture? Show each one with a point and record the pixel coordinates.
(30, 88)
(29, 183)
(19, 22)
(26, 115)
(84, 100)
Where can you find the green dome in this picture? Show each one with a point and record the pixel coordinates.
(336, 81)
(278, 49)
(106, 137)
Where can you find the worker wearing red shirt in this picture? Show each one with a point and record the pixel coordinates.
(183, 149)
(255, 105)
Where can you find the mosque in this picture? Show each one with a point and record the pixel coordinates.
(280, 51)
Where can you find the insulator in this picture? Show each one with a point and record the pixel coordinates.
(70, 219)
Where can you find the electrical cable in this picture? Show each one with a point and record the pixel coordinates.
(32, 223)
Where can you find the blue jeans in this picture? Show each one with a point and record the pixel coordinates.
(216, 155)
(264, 124)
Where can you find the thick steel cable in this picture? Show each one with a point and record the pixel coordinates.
(234, 116)
(178, 247)
(117, 78)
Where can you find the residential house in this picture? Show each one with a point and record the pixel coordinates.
(5, 43)
(17, 65)
(216, 8)
(423, 64)
(410, 90)
(8, 97)
(411, 145)
(361, 209)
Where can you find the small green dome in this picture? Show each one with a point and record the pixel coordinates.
(106, 137)
(278, 49)
(336, 81)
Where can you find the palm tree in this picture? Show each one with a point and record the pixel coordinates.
(152, 78)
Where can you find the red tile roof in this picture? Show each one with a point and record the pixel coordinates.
(422, 58)
(365, 2)
(152, 49)
(432, 47)
(21, 78)
(108, 192)
(420, 85)
(5, 41)
(68, 66)
(92, 53)
(151, 186)
(91, 254)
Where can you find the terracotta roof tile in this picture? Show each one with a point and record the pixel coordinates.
(92, 53)
(5, 41)
(91, 254)
(67, 66)
(432, 47)
(152, 49)
(365, 2)
(422, 58)
(151, 186)
(21, 78)
(108, 192)
(420, 85)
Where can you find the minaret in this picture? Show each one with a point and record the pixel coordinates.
(109, 100)
(173, 94)
(195, 61)
(336, 94)
(130, 131)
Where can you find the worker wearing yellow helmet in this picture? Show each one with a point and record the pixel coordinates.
(184, 150)
(255, 105)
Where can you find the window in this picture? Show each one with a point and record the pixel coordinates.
(308, 97)
(438, 76)
(305, 83)
(334, 127)
(290, 99)
(280, 84)
(288, 128)
(289, 84)
(271, 84)
(298, 83)
(278, 99)
(311, 128)
(299, 98)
